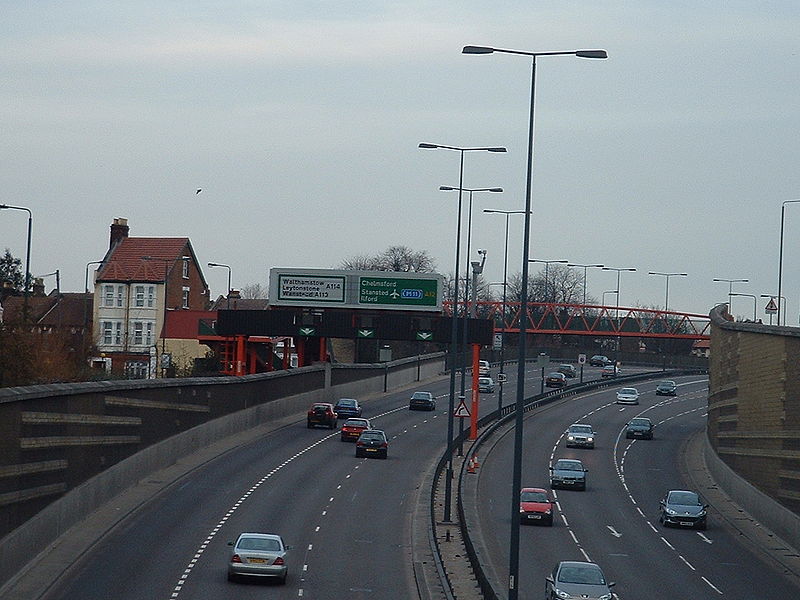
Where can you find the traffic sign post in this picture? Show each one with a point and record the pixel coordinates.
(461, 412)
(581, 362)
(542, 362)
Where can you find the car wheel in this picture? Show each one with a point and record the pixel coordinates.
(309, 425)
(359, 454)
(342, 438)
(282, 580)
(385, 455)
(549, 521)
(231, 577)
(702, 526)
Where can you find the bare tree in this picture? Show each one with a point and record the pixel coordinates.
(254, 290)
(394, 258)
(562, 285)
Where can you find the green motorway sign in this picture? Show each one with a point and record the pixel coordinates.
(397, 291)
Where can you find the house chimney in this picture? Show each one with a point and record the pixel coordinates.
(38, 287)
(119, 231)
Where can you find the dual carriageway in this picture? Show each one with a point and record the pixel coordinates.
(348, 520)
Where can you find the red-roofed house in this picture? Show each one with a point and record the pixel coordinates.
(136, 276)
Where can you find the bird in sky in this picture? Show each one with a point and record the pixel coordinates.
(198, 191)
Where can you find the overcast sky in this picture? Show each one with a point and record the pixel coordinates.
(300, 121)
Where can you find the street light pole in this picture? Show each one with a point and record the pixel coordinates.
(730, 283)
(755, 300)
(513, 576)
(667, 276)
(616, 311)
(448, 486)
(585, 267)
(213, 264)
(507, 214)
(465, 333)
(27, 290)
(607, 292)
(780, 261)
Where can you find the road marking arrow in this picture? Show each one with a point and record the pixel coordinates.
(614, 532)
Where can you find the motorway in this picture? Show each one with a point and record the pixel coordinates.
(615, 522)
(347, 520)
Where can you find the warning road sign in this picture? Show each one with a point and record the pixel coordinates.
(462, 410)
(771, 308)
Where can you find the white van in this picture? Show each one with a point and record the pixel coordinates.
(483, 368)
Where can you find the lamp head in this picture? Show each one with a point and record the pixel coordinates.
(477, 50)
(591, 54)
(426, 145)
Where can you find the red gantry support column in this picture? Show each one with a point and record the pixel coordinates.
(473, 414)
(240, 355)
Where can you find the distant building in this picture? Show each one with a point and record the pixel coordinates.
(141, 281)
(701, 348)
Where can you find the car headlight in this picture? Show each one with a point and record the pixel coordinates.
(521, 510)
(672, 512)
(604, 597)
(702, 513)
(563, 594)
(571, 438)
(590, 439)
(548, 511)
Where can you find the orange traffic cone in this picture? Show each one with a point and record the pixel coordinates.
(471, 465)
(475, 461)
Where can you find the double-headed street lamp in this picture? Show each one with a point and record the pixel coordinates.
(454, 326)
(608, 292)
(507, 214)
(755, 300)
(585, 268)
(513, 576)
(27, 257)
(780, 261)
(213, 264)
(465, 329)
(730, 283)
(547, 264)
(667, 276)
(618, 272)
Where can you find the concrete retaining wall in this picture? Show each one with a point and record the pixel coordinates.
(39, 530)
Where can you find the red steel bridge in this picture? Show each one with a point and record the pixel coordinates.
(595, 320)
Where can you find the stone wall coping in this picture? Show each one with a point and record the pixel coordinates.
(16, 394)
(718, 320)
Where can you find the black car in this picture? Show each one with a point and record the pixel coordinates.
(639, 428)
(422, 401)
(667, 388)
(372, 442)
(598, 360)
(347, 407)
(567, 370)
(684, 509)
(555, 380)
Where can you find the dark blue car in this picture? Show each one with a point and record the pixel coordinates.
(347, 407)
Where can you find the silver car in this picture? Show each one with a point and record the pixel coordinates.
(574, 579)
(258, 555)
(628, 395)
(568, 473)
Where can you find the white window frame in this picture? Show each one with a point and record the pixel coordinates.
(185, 298)
(108, 295)
(118, 333)
(139, 296)
(120, 296)
(151, 294)
(108, 332)
(138, 333)
(185, 269)
(148, 333)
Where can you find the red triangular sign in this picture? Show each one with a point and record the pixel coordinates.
(771, 306)
(462, 410)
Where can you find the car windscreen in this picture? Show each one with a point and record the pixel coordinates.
(421, 396)
(371, 437)
(320, 409)
(355, 423)
(346, 402)
(667, 384)
(261, 544)
(684, 498)
(630, 391)
(533, 497)
(639, 423)
(580, 429)
(580, 574)
(568, 466)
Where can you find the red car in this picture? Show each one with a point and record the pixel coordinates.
(352, 428)
(322, 413)
(536, 506)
